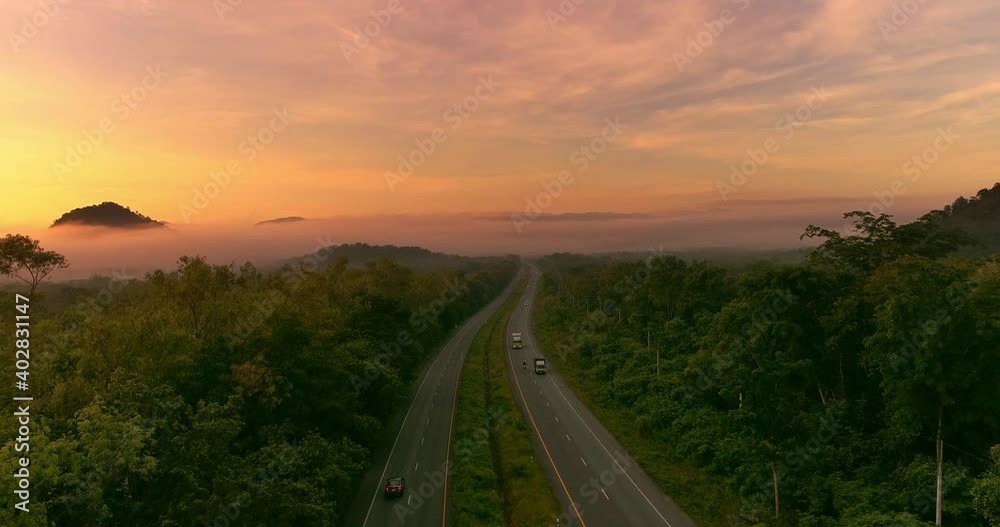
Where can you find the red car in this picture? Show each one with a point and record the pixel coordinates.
(395, 487)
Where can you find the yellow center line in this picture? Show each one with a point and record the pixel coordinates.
(539, 434)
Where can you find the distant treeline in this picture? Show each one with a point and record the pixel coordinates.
(358, 254)
(817, 392)
(217, 395)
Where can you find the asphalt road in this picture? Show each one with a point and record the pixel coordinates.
(422, 443)
(597, 482)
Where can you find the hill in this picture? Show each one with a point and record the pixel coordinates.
(107, 214)
(979, 216)
(359, 254)
(288, 219)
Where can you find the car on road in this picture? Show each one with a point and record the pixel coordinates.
(525, 303)
(395, 487)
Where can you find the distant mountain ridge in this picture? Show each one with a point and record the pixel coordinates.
(359, 254)
(287, 219)
(107, 214)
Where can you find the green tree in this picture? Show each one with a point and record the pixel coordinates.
(986, 490)
(23, 258)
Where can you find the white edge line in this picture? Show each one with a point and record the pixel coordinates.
(634, 484)
(403, 424)
(608, 452)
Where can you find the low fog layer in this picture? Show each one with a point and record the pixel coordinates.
(746, 224)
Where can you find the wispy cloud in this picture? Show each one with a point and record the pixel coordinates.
(609, 58)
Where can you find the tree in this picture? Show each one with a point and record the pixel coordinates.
(23, 258)
(986, 490)
(876, 240)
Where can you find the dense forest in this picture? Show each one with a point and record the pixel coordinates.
(978, 215)
(818, 393)
(210, 393)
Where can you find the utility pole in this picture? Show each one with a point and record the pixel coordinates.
(648, 337)
(940, 467)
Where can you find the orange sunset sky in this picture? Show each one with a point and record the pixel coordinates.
(356, 104)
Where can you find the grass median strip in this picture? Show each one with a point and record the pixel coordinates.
(497, 479)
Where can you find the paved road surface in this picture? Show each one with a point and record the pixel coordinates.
(422, 444)
(596, 481)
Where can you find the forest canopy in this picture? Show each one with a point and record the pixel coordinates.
(817, 393)
(212, 390)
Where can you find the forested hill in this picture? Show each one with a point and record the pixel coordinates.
(359, 254)
(812, 393)
(979, 216)
(223, 395)
(107, 214)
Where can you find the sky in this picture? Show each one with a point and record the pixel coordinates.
(672, 115)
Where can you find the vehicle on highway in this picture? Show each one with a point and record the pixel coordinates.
(515, 340)
(539, 365)
(395, 487)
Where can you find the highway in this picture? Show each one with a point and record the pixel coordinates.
(420, 451)
(597, 482)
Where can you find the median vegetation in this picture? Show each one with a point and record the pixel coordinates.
(497, 479)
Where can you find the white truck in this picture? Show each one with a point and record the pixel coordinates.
(515, 340)
(539, 365)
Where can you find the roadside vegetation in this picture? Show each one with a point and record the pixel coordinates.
(834, 392)
(498, 480)
(223, 395)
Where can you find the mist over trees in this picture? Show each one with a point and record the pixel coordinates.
(22, 257)
(818, 394)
